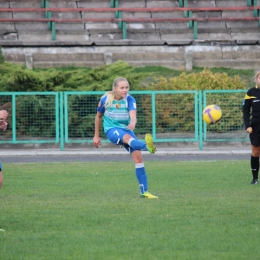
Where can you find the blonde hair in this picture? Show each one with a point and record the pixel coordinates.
(256, 76)
(111, 94)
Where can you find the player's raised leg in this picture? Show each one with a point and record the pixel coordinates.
(131, 140)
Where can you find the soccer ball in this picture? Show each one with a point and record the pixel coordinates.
(211, 114)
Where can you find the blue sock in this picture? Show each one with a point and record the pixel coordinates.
(141, 177)
(0, 166)
(137, 145)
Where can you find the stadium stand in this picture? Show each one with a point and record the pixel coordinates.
(163, 32)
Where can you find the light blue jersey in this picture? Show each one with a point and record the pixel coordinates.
(117, 115)
(116, 120)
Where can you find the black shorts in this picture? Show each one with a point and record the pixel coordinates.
(255, 136)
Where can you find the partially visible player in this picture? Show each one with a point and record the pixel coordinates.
(119, 111)
(3, 126)
(251, 116)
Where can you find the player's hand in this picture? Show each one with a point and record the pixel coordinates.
(3, 125)
(249, 130)
(96, 141)
(131, 126)
(3, 114)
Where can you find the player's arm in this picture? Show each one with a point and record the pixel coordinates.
(98, 120)
(132, 112)
(246, 111)
(133, 120)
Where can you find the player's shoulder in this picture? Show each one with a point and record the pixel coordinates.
(131, 102)
(103, 99)
(252, 91)
(101, 104)
(130, 98)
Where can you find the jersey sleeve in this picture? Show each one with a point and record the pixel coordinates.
(101, 105)
(246, 110)
(131, 103)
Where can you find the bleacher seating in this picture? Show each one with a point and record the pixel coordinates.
(138, 29)
(143, 28)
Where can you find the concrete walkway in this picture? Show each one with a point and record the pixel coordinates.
(228, 150)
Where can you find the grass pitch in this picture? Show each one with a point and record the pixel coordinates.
(206, 210)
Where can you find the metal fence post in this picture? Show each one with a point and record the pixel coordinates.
(61, 106)
(185, 5)
(116, 6)
(66, 121)
(153, 116)
(258, 16)
(195, 29)
(200, 121)
(120, 15)
(255, 11)
(124, 31)
(48, 14)
(14, 117)
(53, 31)
(112, 3)
(190, 22)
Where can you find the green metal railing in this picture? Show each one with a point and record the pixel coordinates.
(147, 99)
(171, 116)
(192, 23)
(48, 14)
(33, 117)
(118, 14)
(232, 116)
(122, 22)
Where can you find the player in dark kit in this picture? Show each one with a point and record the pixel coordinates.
(251, 116)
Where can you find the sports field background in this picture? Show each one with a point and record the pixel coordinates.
(206, 210)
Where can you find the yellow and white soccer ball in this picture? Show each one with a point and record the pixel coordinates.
(211, 114)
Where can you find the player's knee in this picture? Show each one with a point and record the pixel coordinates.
(137, 157)
(255, 151)
(256, 154)
(126, 138)
(139, 160)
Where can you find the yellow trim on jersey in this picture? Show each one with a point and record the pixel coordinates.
(249, 97)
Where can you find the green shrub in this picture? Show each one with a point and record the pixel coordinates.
(175, 113)
(205, 80)
(19, 78)
(2, 60)
(35, 116)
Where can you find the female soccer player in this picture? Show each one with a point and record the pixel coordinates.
(3, 126)
(252, 104)
(119, 110)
